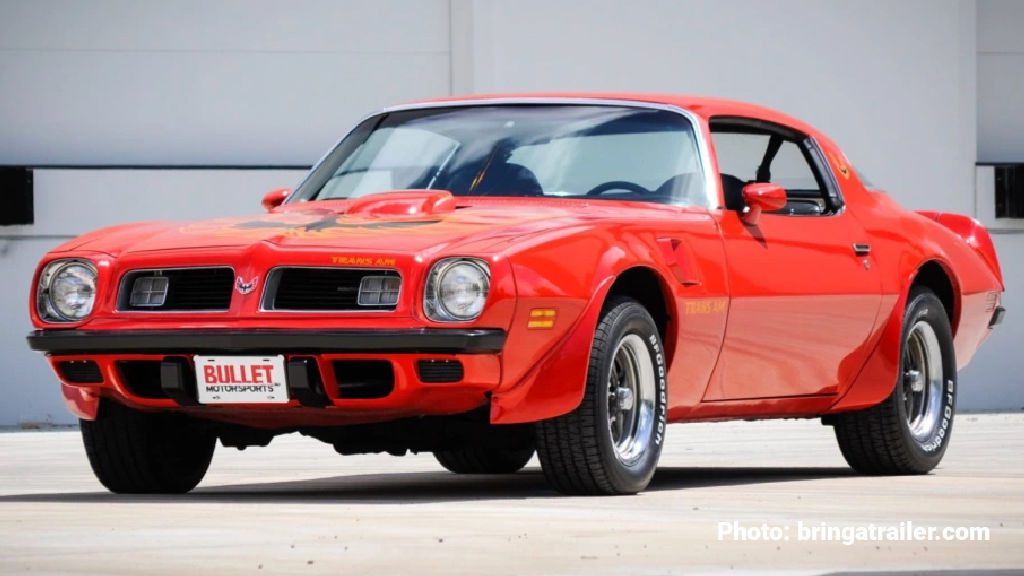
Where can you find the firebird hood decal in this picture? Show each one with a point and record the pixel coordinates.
(317, 228)
(330, 229)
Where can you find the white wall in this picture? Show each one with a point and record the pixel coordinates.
(206, 82)
(274, 83)
(996, 373)
(1001, 81)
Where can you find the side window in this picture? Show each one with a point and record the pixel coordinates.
(739, 155)
(747, 154)
(790, 170)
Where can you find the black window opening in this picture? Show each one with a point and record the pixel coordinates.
(16, 195)
(1009, 190)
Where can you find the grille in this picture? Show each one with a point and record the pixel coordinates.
(80, 372)
(332, 289)
(439, 371)
(177, 289)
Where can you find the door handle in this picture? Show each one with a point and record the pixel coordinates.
(861, 249)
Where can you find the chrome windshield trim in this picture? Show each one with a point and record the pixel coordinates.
(712, 187)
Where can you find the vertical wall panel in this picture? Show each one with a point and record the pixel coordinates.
(207, 82)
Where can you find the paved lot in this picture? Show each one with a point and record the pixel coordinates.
(297, 507)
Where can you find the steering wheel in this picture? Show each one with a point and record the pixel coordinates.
(618, 185)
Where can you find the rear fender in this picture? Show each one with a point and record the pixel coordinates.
(880, 372)
(973, 233)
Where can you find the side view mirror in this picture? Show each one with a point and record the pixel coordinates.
(760, 197)
(275, 198)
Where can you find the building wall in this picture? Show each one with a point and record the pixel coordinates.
(1000, 81)
(270, 83)
(995, 375)
(207, 82)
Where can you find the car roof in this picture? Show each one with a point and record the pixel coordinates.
(702, 106)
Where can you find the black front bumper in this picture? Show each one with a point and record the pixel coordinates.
(425, 340)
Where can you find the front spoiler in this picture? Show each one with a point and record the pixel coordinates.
(424, 340)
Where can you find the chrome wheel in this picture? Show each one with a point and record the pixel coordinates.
(631, 399)
(922, 388)
(908, 432)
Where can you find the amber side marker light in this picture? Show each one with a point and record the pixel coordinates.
(541, 318)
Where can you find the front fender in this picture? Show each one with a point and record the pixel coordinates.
(546, 370)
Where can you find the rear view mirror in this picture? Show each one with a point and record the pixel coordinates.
(275, 198)
(759, 197)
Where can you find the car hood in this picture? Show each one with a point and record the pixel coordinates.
(467, 226)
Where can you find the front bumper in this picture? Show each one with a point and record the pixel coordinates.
(154, 370)
(425, 340)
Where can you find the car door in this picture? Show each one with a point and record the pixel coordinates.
(804, 292)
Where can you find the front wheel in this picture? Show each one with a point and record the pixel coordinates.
(909, 431)
(610, 444)
(132, 452)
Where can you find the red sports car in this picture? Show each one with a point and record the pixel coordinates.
(489, 277)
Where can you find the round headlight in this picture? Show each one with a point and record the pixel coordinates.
(457, 289)
(68, 290)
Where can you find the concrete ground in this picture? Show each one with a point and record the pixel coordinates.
(296, 507)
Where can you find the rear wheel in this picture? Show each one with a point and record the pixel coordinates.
(610, 444)
(481, 460)
(909, 431)
(132, 452)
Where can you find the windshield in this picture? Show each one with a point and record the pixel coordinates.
(545, 150)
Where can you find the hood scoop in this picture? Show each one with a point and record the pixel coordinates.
(403, 203)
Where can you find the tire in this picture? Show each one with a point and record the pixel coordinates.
(586, 451)
(133, 452)
(908, 433)
(480, 460)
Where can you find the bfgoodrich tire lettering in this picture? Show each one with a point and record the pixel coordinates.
(908, 433)
(136, 453)
(589, 451)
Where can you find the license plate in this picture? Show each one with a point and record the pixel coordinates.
(241, 380)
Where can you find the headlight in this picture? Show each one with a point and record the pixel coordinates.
(457, 289)
(67, 291)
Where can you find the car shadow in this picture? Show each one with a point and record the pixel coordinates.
(413, 487)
